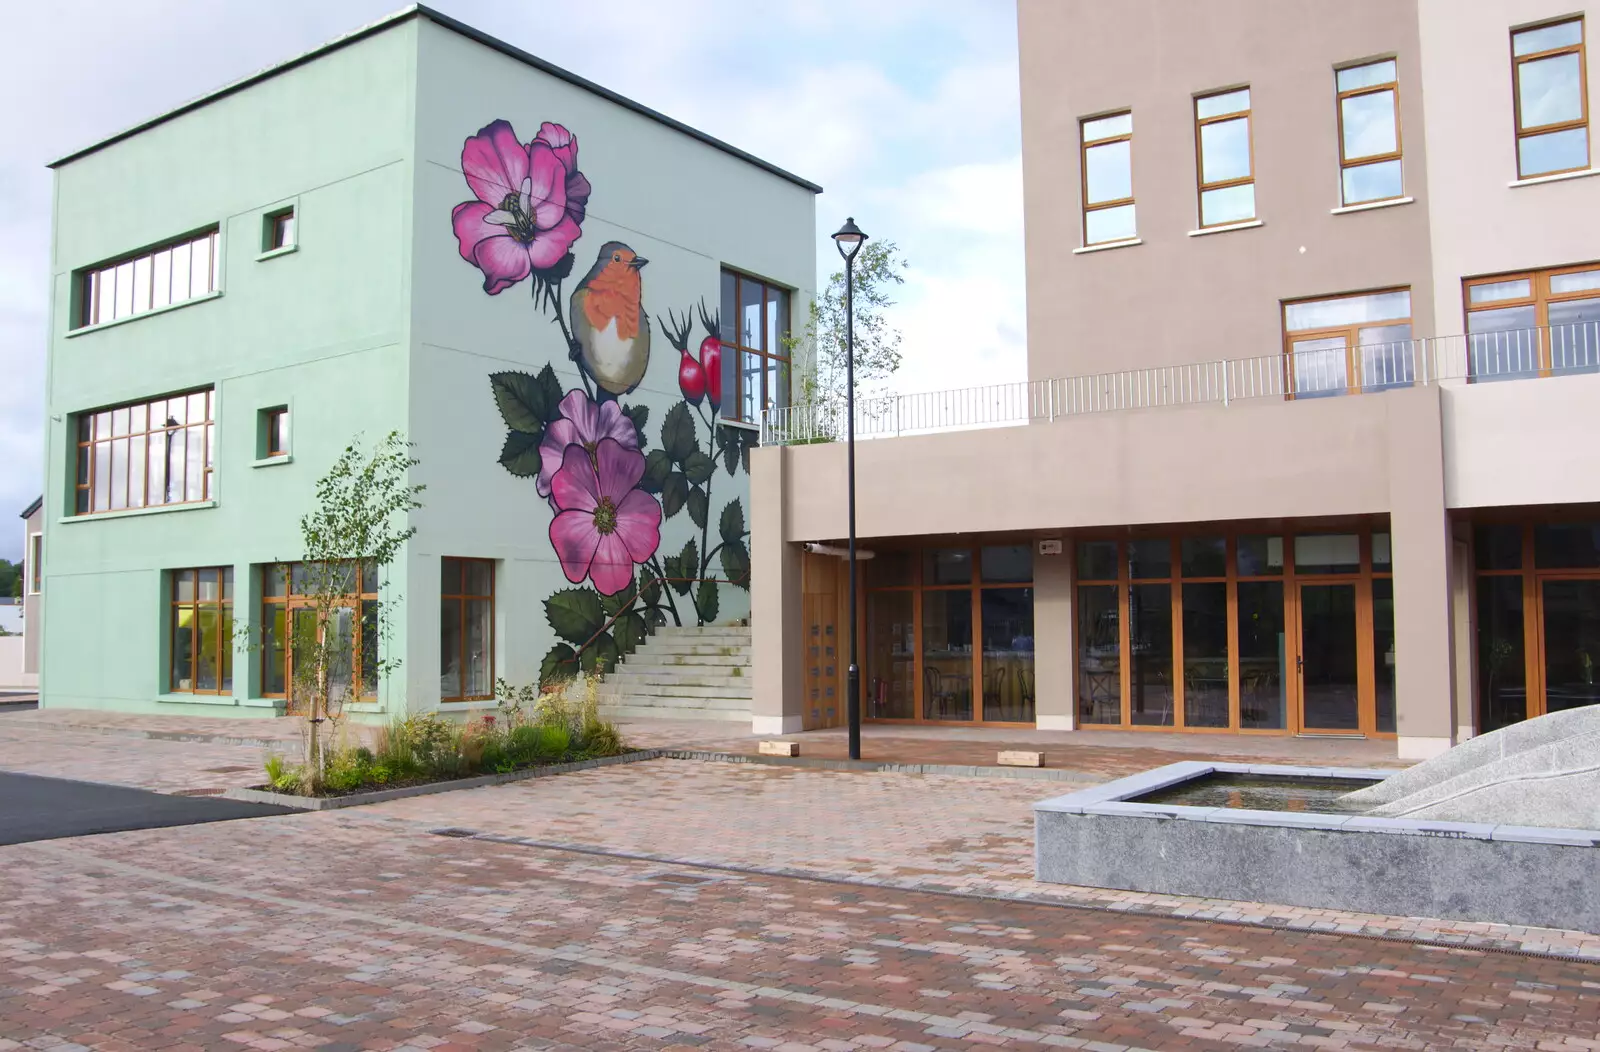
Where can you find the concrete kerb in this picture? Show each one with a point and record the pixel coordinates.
(330, 803)
(1045, 774)
(333, 803)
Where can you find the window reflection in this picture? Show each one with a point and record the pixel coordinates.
(1099, 655)
(947, 655)
(1008, 654)
(891, 656)
(1205, 654)
(1263, 656)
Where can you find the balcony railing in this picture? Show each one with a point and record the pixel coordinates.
(1479, 358)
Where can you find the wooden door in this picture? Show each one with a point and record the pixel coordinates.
(824, 584)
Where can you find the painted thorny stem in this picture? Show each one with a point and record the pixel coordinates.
(552, 294)
(705, 524)
(666, 587)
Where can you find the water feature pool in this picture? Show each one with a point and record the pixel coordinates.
(1261, 792)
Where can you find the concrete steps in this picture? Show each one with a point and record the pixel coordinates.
(683, 674)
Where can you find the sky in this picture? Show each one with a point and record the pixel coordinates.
(905, 111)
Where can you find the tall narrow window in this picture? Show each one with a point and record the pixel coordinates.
(1347, 344)
(145, 454)
(1550, 92)
(466, 630)
(1107, 144)
(275, 432)
(202, 631)
(1224, 149)
(35, 563)
(181, 270)
(755, 354)
(1369, 132)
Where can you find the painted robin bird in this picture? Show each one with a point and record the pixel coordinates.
(609, 325)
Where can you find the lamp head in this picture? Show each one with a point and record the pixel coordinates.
(849, 239)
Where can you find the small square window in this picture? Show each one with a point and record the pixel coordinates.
(274, 437)
(279, 231)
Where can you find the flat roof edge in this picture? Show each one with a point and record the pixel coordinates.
(477, 35)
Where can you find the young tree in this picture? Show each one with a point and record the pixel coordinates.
(820, 350)
(356, 527)
(11, 579)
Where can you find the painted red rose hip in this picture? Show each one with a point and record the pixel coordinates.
(691, 379)
(711, 362)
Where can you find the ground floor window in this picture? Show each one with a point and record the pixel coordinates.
(202, 631)
(466, 629)
(1538, 618)
(948, 634)
(1241, 631)
(289, 614)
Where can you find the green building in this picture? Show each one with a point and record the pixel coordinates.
(397, 231)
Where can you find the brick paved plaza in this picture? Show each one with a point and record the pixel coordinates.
(828, 910)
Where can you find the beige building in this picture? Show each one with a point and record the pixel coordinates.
(1308, 444)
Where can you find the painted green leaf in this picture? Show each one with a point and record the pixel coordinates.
(677, 433)
(575, 614)
(689, 567)
(520, 454)
(629, 631)
(640, 415)
(521, 401)
(674, 493)
(615, 604)
(728, 447)
(672, 569)
(699, 467)
(649, 587)
(736, 563)
(699, 505)
(550, 394)
(559, 665)
(731, 526)
(657, 469)
(600, 656)
(705, 601)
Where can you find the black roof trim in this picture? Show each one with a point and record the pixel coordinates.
(35, 506)
(439, 18)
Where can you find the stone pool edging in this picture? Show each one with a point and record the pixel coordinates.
(1100, 837)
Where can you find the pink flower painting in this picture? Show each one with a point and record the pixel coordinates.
(531, 200)
(584, 423)
(604, 524)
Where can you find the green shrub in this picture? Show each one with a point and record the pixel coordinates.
(282, 776)
(552, 742)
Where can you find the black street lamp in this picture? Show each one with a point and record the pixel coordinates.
(849, 239)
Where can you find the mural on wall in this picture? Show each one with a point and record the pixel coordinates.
(586, 450)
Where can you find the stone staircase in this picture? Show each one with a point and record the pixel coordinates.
(683, 674)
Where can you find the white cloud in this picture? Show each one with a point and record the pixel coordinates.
(906, 110)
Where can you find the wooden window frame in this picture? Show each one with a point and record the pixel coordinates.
(732, 410)
(1517, 61)
(1084, 145)
(273, 417)
(291, 601)
(1203, 187)
(1350, 333)
(1539, 298)
(35, 567)
(1345, 163)
(1289, 578)
(88, 426)
(223, 605)
(273, 229)
(1532, 578)
(462, 596)
(917, 590)
(88, 281)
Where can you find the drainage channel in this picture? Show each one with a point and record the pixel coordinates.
(1020, 900)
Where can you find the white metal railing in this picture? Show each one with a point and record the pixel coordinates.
(1310, 373)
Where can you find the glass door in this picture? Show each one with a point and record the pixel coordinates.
(1571, 642)
(1328, 662)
